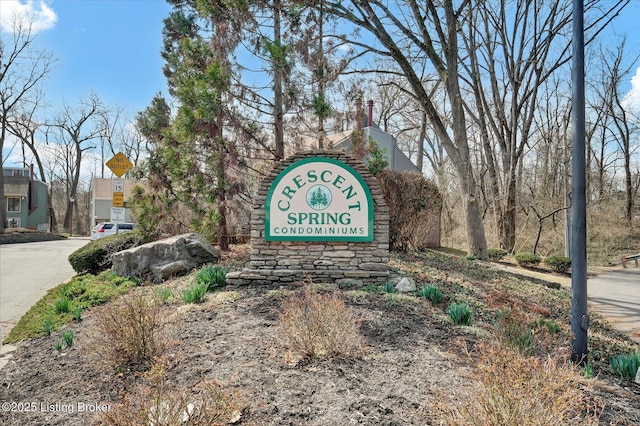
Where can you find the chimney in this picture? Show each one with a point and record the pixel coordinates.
(370, 113)
(32, 203)
(359, 113)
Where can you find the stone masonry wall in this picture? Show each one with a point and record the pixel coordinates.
(331, 261)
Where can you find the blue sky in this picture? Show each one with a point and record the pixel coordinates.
(112, 47)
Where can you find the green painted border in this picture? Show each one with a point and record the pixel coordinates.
(345, 166)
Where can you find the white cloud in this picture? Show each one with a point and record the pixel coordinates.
(35, 13)
(631, 101)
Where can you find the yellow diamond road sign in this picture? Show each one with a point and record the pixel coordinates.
(119, 164)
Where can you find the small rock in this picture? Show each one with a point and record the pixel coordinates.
(236, 416)
(186, 415)
(406, 285)
(638, 376)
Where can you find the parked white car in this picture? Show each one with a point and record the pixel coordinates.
(104, 229)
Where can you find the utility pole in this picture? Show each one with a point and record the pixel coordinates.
(579, 315)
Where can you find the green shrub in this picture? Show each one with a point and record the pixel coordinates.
(551, 326)
(460, 313)
(195, 293)
(47, 326)
(389, 287)
(588, 371)
(496, 254)
(96, 256)
(163, 294)
(212, 276)
(67, 337)
(431, 292)
(62, 305)
(371, 288)
(558, 263)
(626, 365)
(527, 259)
(77, 313)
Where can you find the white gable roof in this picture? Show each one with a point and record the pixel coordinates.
(387, 143)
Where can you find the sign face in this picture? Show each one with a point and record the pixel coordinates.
(119, 164)
(118, 199)
(117, 214)
(118, 185)
(319, 199)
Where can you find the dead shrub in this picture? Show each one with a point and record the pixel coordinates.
(415, 204)
(514, 389)
(320, 325)
(132, 333)
(155, 403)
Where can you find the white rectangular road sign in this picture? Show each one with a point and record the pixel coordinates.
(118, 185)
(117, 214)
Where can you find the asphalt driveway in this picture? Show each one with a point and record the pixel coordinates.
(616, 295)
(28, 271)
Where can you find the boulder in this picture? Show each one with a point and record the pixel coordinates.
(406, 285)
(164, 258)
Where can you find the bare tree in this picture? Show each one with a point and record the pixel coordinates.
(25, 127)
(622, 122)
(109, 122)
(512, 49)
(76, 127)
(22, 68)
(411, 29)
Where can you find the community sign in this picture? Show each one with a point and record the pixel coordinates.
(319, 199)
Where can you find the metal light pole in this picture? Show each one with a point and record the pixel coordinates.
(579, 315)
(71, 200)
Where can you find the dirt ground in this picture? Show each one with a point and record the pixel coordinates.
(411, 362)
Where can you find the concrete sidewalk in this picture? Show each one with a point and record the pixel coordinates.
(616, 295)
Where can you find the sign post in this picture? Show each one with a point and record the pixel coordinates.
(117, 215)
(119, 165)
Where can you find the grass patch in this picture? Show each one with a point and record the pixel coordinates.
(510, 388)
(626, 365)
(460, 313)
(432, 293)
(195, 293)
(212, 277)
(400, 299)
(82, 292)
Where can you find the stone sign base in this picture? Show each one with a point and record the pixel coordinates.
(319, 261)
(331, 264)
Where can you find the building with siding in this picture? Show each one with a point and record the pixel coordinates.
(25, 199)
(102, 200)
(396, 159)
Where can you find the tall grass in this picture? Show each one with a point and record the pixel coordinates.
(510, 388)
(319, 325)
(155, 402)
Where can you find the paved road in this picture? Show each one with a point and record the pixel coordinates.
(28, 271)
(616, 295)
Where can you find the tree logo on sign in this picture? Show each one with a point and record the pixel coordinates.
(319, 197)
